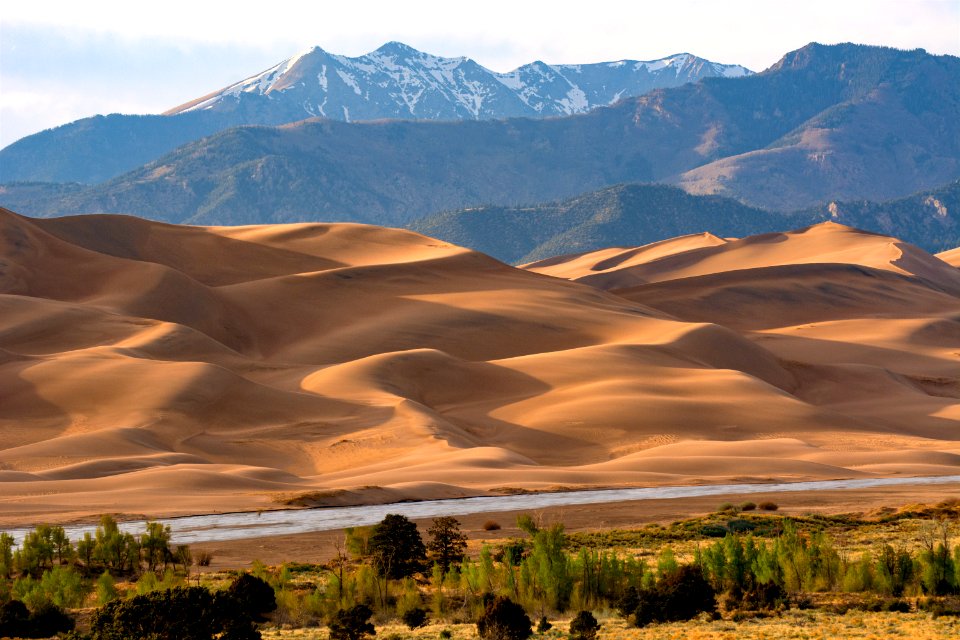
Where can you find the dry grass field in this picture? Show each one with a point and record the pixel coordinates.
(798, 625)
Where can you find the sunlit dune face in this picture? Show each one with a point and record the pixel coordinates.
(157, 369)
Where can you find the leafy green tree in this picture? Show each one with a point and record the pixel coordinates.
(155, 545)
(37, 551)
(894, 570)
(6, 555)
(447, 542)
(85, 549)
(397, 548)
(116, 549)
(357, 541)
(62, 547)
(545, 573)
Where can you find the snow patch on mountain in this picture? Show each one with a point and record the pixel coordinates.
(398, 81)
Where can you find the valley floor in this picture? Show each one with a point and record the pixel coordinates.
(793, 624)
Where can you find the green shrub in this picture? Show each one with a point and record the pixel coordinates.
(106, 588)
(748, 506)
(768, 506)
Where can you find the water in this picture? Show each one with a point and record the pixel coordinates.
(238, 526)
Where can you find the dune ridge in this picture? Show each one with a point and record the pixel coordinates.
(157, 369)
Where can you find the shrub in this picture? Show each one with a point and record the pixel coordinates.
(765, 596)
(584, 626)
(897, 605)
(352, 623)
(727, 507)
(446, 634)
(544, 625)
(491, 525)
(768, 506)
(14, 618)
(48, 621)
(678, 595)
(748, 506)
(628, 602)
(203, 558)
(414, 618)
(184, 612)
(504, 619)
(17, 622)
(106, 588)
(254, 595)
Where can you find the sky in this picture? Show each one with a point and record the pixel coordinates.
(65, 60)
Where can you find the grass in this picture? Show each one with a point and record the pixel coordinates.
(800, 625)
(854, 532)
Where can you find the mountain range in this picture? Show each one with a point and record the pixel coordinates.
(826, 123)
(636, 214)
(395, 81)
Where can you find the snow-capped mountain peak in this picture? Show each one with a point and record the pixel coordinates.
(398, 81)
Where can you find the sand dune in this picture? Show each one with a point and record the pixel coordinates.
(155, 369)
(951, 257)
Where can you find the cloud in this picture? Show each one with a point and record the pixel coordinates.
(107, 56)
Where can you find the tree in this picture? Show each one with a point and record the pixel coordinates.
(447, 543)
(37, 550)
(61, 544)
(155, 545)
(504, 619)
(352, 623)
(584, 626)
(6, 555)
(397, 548)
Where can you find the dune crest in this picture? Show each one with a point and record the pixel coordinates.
(157, 369)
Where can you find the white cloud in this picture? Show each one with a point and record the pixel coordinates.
(100, 50)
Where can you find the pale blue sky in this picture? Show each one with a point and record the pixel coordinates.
(60, 61)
